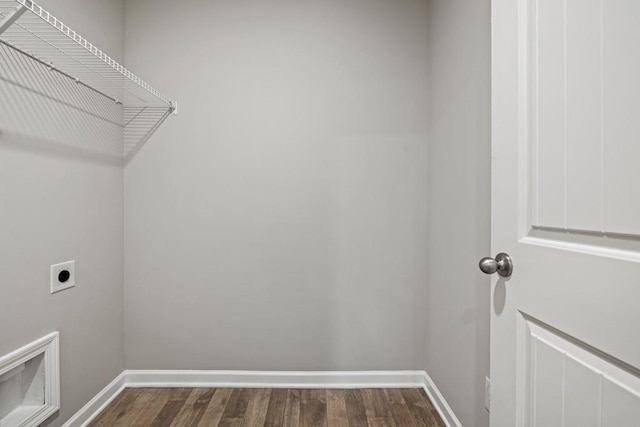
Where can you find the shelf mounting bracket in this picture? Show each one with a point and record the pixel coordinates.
(11, 18)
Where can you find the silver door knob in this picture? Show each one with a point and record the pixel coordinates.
(502, 264)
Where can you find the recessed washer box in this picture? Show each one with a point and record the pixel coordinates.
(30, 383)
(63, 276)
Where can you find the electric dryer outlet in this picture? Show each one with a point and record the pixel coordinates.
(63, 276)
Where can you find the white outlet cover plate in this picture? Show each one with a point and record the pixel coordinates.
(56, 285)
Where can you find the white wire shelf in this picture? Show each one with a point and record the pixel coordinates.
(45, 65)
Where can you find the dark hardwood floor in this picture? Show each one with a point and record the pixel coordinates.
(269, 407)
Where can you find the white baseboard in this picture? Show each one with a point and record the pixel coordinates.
(89, 411)
(441, 405)
(265, 379)
(276, 379)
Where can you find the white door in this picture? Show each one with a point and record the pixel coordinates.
(565, 327)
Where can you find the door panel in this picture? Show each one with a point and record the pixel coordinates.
(582, 395)
(582, 63)
(567, 383)
(621, 105)
(549, 108)
(584, 96)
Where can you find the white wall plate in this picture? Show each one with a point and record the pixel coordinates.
(63, 276)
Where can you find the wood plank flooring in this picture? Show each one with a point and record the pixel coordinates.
(210, 407)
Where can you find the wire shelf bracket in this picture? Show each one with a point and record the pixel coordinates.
(45, 42)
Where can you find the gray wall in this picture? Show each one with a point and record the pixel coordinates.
(279, 222)
(57, 205)
(459, 214)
